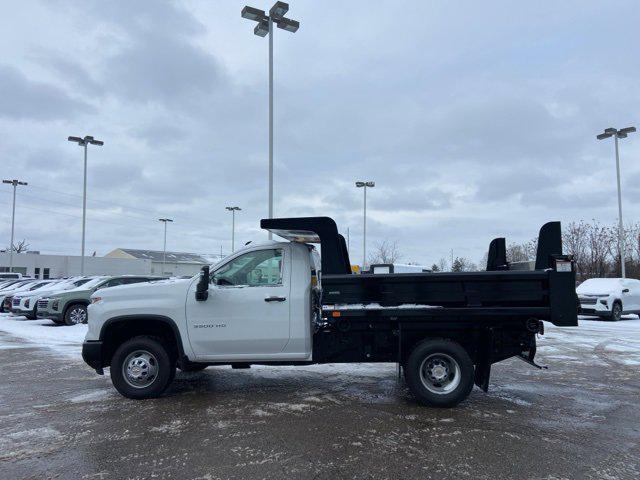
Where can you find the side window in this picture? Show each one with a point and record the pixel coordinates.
(128, 281)
(262, 267)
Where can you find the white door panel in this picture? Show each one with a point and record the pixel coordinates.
(250, 319)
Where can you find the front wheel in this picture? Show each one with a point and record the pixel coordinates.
(439, 373)
(142, 368)
(616, 311)
(76, 314)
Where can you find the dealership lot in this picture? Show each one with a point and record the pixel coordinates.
(578, 419)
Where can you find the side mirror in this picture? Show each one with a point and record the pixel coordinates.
(626, 290)
(202, 288)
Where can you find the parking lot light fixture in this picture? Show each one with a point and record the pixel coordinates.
(364, 185)
(262, 29)
(164, 245)
(84, 142)
(233, 211)
(616, 134)
(15, 183)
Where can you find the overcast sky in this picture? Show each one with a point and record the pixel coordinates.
(475, 120)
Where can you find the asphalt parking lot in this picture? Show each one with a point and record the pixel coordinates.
(577, 420)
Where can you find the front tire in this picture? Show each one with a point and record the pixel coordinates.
(76, 314)
(616, 312)
(439, 373)
(142, 368)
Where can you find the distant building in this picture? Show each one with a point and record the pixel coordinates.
(121, 261)
(176, 263)
(56, 266)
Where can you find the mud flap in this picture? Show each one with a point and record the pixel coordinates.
(483, 360)
(529, 359)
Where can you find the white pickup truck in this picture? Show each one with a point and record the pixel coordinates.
(270, 304)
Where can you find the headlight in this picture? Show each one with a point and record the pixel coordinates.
(96, 299)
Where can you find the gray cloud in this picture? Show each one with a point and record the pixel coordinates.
(23, 98)
(474, 121)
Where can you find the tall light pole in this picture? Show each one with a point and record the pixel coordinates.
(84, 142)
(364, 185)
(15, 184)
(263, 28)
(616, 134)
(233, 211)
(164, 245)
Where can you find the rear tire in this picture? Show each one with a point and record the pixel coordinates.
(439, 373)
(76, 314)
(142, 368)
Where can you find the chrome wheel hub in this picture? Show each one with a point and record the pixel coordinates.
(440, 373)
(78, 315)
(140, 369)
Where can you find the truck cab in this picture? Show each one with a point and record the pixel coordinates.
(258, 307)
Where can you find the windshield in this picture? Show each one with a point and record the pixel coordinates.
(599, 285)
(39, 285)
(82, 281)
(92, 283)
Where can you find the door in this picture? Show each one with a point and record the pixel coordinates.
(247, 312)
(631, 298)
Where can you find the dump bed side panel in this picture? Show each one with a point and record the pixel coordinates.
(543, 294)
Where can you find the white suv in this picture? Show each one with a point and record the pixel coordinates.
(609, 298)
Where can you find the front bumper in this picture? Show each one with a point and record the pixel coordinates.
(92, 354)
(51, 315)
(599, 308)
(21, 311)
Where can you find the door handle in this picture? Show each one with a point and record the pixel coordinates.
(275, 299)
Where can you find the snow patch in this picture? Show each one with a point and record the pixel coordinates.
(66, 340)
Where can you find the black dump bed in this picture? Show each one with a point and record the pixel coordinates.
(546, 293)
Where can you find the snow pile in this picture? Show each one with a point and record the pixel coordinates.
(63, 339)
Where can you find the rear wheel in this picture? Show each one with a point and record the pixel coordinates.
(142, 368)
(76, 314)
(439, 373)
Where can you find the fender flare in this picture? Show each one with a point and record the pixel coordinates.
(141, 316)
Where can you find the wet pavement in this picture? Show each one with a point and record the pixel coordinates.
(578, 420)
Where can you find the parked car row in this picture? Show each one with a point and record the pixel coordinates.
(64, 301)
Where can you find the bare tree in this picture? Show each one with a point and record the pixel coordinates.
(386, 251)
(517, 253)
(443, 265)
(575, 242)
(599, 243)
(461, 264)
(21, 246)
